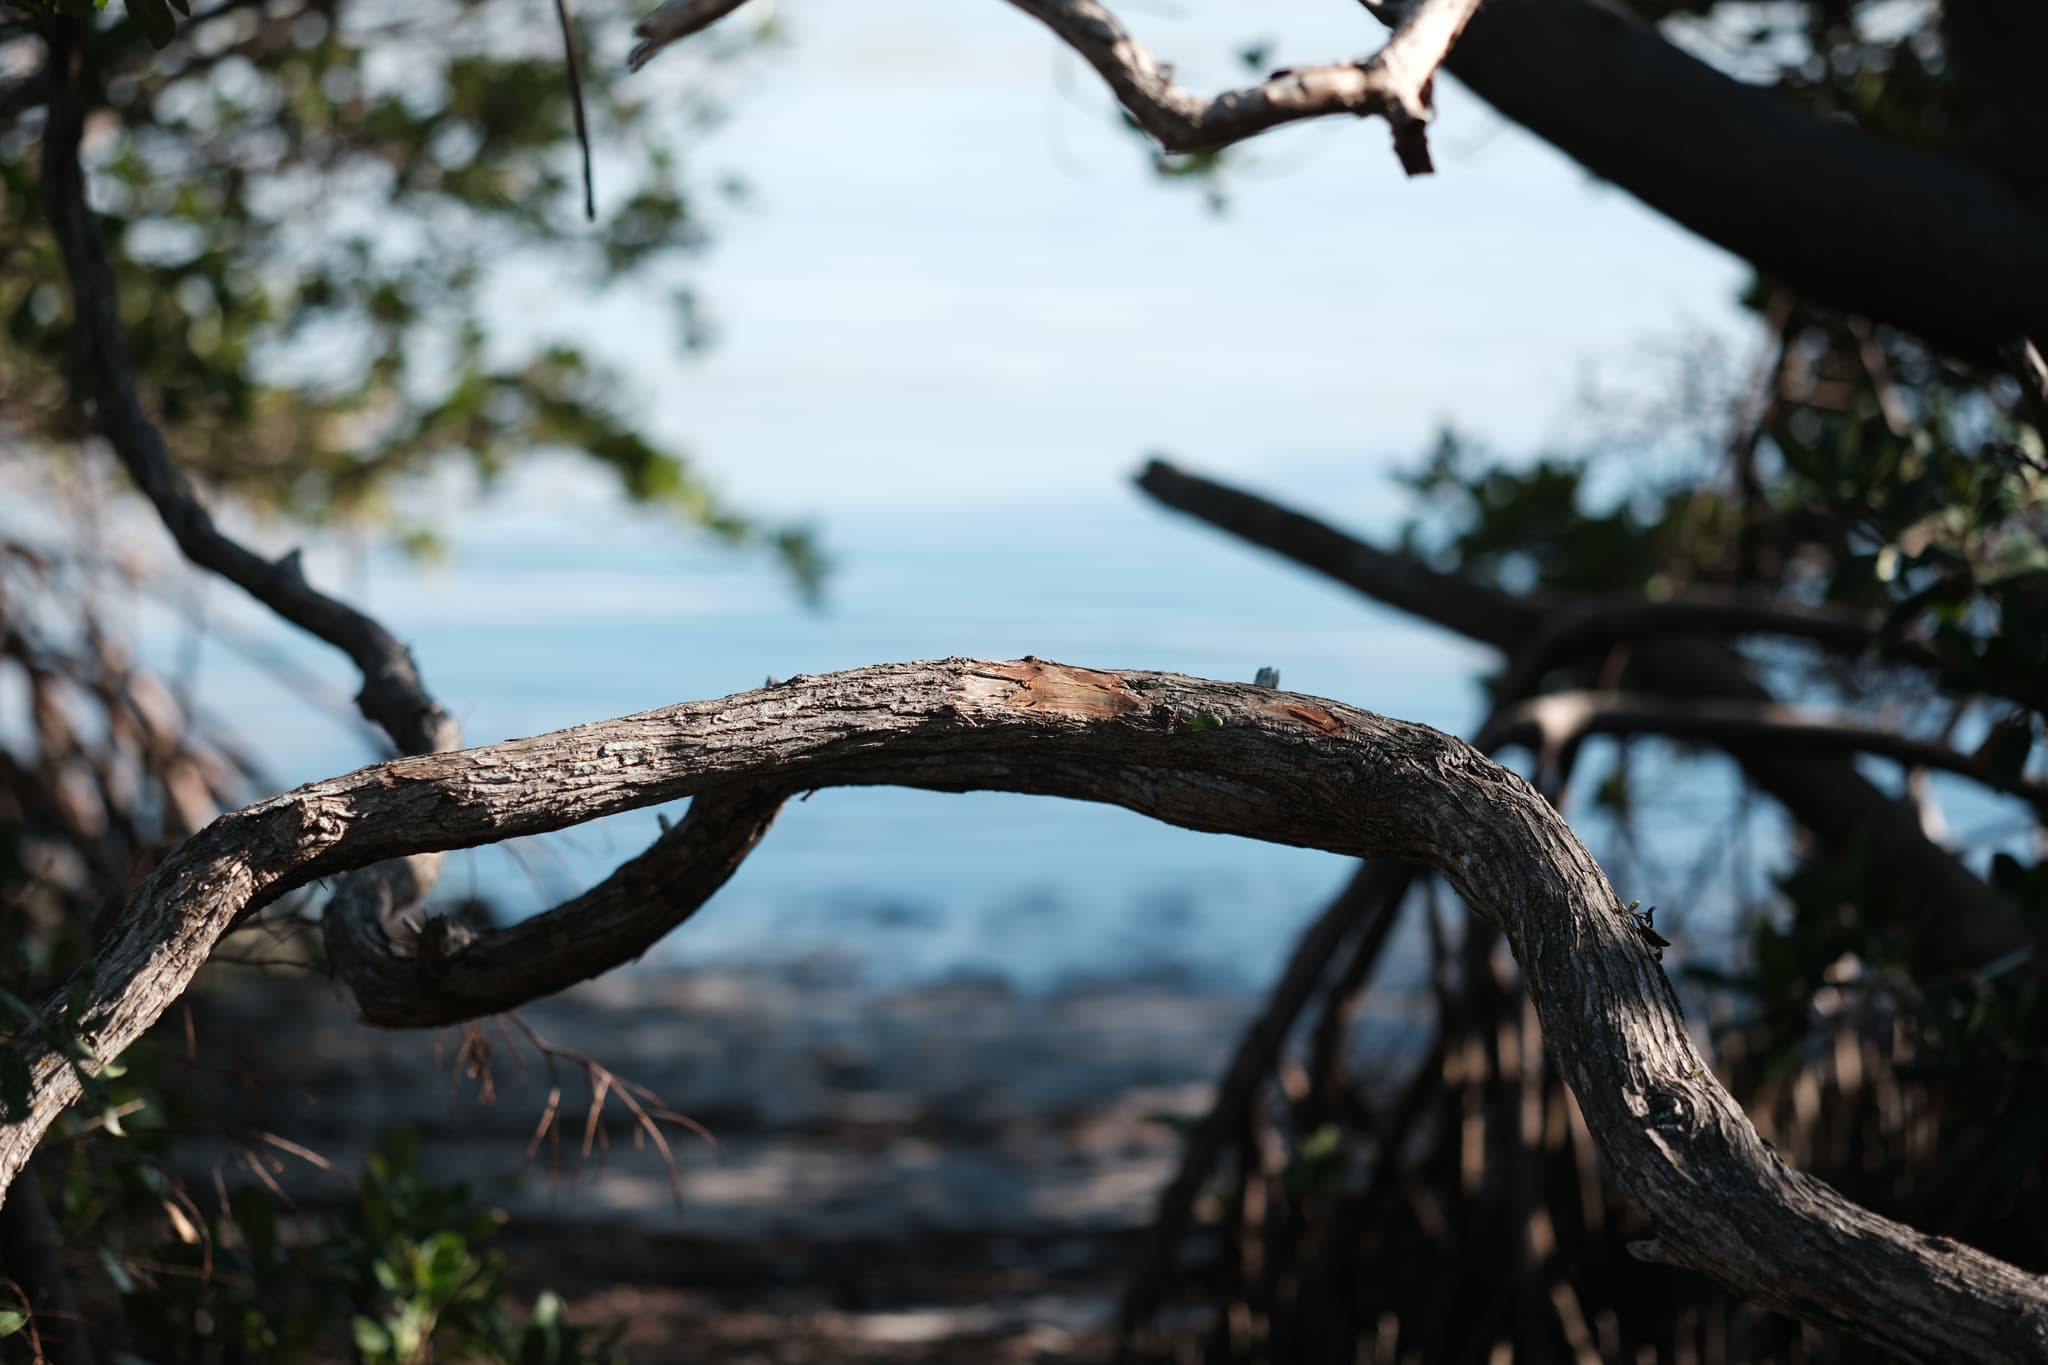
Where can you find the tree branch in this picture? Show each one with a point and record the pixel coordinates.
(453, 974)
(1557, 722)
(1475, 610)
(395, 984)
(392, 694)
(1573, 628)
(1219, 757)
(1395, 83)
(1825, 795)
(1933, 245)
(1365, 908)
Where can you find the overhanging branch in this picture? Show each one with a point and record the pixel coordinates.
(395, 983)
(1957, 921)
(1219, 757)
(1557, 722)
(1396, 83)
(453, 974)
(392, 696)
(1932, 244)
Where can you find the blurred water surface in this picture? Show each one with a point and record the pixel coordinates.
(557, 605)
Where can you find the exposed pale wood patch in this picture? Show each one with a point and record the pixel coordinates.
(1087, 693)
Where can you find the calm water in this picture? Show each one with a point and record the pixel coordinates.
(558, 606)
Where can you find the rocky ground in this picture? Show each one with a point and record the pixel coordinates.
(958, 1172)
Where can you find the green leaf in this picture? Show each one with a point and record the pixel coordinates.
(11, 1321)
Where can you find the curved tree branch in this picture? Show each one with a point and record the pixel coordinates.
(392, 694)
(394, 983)
(1217, 757)
(1395, 83)
(1956, 920)
(454, 975)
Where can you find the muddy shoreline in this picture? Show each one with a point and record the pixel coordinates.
(950, 1172)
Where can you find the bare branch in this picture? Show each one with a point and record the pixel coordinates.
(1933, 244)
(1826, 795)
(1396, 83)
(1364, 909)
(1557, 722)
(1575, 627)
(1220, 757)
(445, 981)
(1475, 610)
(392, 694)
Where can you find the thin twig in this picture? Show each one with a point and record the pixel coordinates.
(571, 60)
(1396, 83)
(649, 1110)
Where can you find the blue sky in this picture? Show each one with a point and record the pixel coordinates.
(954, 316)
(957, 282)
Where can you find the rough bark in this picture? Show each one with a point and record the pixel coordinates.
(450, 974)
(397, 978)
(1220, 757)
(1954, 918)
(1395, 83)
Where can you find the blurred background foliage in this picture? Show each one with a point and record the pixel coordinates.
(312, 199)
(307, 204)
